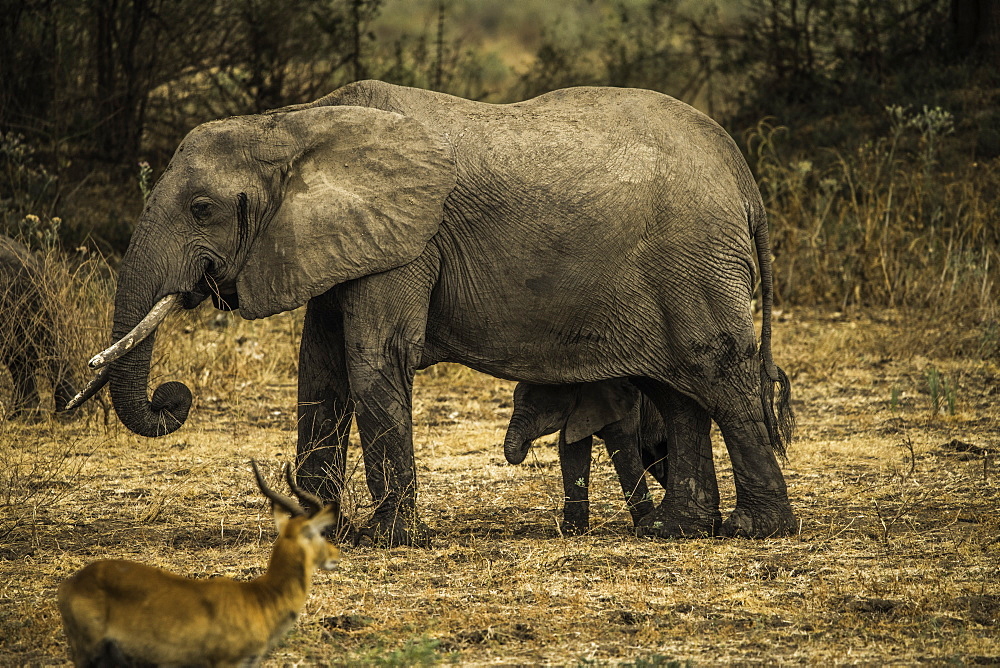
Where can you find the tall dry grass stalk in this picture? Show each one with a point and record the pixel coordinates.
(57, 310)
(53, 311)
(884, 225)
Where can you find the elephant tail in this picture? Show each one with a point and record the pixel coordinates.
(781, 422)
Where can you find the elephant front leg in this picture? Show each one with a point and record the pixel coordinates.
(382, 396)
(325, 408)
(385, 319)
(574, 460)
(690, 505)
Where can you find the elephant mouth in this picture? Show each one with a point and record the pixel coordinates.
(223, 293)
(226, 301)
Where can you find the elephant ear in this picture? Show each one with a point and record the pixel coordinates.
(598, 405)
(362, 192)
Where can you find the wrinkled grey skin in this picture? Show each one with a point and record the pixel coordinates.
(630, 426)
(584, 235)
(28, 341)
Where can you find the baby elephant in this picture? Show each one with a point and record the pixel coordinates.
(28, 330)
(614, 410)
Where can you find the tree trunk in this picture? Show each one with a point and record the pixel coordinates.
(976, 28)
(124, 57)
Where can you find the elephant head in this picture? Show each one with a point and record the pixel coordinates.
(263, 213)
(579, 410)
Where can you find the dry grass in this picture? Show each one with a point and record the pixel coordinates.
(58, 308)
(895, 222)
(896, 562)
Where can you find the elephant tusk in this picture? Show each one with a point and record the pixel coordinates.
(93, 387)
(138, 334)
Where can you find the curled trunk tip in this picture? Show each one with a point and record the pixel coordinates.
(515, 446)
(164, 413)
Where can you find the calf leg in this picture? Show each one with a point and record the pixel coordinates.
(574, 459)
(622, 440)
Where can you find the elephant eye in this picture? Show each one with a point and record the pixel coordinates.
(201, 210)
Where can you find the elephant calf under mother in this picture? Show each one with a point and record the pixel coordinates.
(614, 410)
(584, 235)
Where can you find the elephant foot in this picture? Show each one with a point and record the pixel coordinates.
(744, 523)
(343, 531)
(668, 523)
(576, 518)
(573, 528)
(392, 529)
(639, 511)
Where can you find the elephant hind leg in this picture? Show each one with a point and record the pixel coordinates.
(690, 505)
(734, 396)
(718, 365)
(762, 507)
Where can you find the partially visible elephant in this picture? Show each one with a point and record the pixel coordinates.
(614, 410)
(584, 235)
(29, 331)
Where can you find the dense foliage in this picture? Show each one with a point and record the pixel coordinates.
(872, 125)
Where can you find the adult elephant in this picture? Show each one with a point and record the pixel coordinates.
(587, 234)
(29, 331)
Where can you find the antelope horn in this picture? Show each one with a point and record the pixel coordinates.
(93, 387)
(287, 504)
(138, 334)
(313, 503)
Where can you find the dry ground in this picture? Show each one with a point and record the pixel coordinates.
(898, 560)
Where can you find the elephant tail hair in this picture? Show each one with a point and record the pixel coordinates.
(780, 418)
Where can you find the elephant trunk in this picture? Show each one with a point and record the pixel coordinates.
(517, 442)
(129, 375)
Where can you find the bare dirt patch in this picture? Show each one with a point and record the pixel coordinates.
(898, 560)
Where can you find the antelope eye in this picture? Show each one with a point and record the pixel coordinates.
(201, 209)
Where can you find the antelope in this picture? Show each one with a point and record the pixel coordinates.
(119, 612)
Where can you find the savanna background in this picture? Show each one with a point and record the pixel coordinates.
(874, 130)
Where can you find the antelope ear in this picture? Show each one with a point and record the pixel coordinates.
(598, 405)
(362, 192)
(322, 520)
(280, 517)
